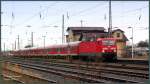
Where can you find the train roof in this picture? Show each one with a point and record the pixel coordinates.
(53, 46)
(25, 49)
(86, 28)
(106, 39)
(64, 44)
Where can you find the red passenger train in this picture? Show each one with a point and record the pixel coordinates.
(103, 48)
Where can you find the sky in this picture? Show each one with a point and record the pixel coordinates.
(44, 18)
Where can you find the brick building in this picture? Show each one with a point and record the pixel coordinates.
(85, 33)
(121, 42)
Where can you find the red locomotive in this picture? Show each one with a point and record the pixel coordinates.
(103, 48)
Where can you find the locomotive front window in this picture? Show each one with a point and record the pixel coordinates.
(108, 42)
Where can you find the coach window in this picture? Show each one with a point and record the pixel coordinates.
(55, 49)
(35, 51)
(76, 47)
(32, 51)
(62, 49)
(58, 49)
(41, 51)
(73, 48)
(65, 49)
(44, 51)
(49, 50)
(70, 47)
(52, 49)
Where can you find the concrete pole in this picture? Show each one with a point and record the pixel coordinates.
(132, 44)
(12, 46)
(32, 39)
(110, 20)
(81, 23)
(44, 41)
(0, 41)
(18, 43)
(4, 47)
(15, 44)
(63, 28)
(149, 41)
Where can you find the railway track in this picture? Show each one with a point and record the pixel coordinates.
(94, 64)
(119, 61)
(105, 73)
(139, 71)
(106, 64)
(129, 72)
(60, 72)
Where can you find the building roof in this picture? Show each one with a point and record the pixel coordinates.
(86, 28)
(124, 37)
(117, 30)
(90, 29)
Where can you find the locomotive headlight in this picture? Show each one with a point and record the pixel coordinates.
(115, 50)
(103, 50)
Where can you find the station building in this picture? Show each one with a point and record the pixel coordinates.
(92, 33)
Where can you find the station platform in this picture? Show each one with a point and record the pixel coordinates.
(140, 59)
(133, 61)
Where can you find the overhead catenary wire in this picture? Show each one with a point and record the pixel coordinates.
(91, 8)
(137, 9)
(88, 11)
(118, 15)
(97, 6)
(85, 10)
(38, 13)
(12, 19)
(129, 11)
(30, 18)
(80, 12)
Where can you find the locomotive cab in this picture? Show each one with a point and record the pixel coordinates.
(108, 48)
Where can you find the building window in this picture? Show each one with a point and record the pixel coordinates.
(118, 34)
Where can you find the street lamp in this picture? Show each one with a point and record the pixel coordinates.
(32, 39)
(115, 28)
(132, 41)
